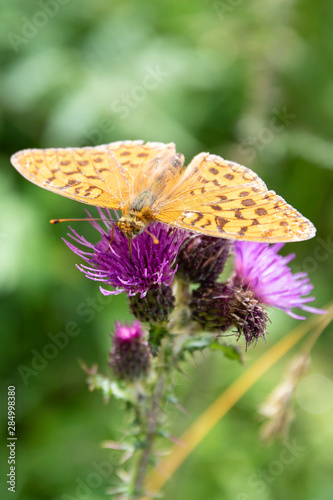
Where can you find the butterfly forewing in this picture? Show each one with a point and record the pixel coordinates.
(83, 174)
(107, 176)
(224, 199)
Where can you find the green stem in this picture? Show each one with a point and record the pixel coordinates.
(180, 323)
(180, 327)
(151, 424)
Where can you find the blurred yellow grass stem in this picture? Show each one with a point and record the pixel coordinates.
(201, 427)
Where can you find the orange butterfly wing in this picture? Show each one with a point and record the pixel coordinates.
(221, 198)
(106, 176)
(211, 196)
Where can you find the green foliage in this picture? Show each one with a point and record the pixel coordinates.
(230, 351)
(250, 81)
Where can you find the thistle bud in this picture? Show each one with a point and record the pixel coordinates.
(218, 307)
(249, 315)
(155, 307)
(202, 258)
(130, 356)
(210, 306)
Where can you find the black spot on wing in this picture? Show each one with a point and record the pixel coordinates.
(261, 211)
(238, 214)
(248, 202)
(242, 231)
(206, 225)
(195, 221)
(220, 223)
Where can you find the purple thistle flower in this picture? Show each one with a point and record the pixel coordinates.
(151, 265)
(259, 267)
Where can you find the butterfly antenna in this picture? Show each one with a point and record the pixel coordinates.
(56, 221)
(156, 241)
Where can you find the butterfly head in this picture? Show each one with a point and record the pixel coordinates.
(131, 226)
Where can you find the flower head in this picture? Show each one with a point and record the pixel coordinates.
(151, 264)
(218, 307)
(249, 315)
(202, 258)
(210, 306)
(259, 268)
(130, 355)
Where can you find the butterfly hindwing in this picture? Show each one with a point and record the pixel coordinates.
(141, 163)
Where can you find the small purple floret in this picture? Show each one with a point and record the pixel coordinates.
(259, 267)
(126, 333)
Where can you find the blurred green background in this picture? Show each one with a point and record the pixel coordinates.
(249, 80)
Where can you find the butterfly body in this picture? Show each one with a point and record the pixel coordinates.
(148, 182)
(139, 213)
(135, 220)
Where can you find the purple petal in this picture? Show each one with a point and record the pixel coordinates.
(259, 267)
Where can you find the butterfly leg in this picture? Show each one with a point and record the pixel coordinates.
(112, 235)
(130, 249)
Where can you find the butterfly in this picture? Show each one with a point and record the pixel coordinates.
(148, 182)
